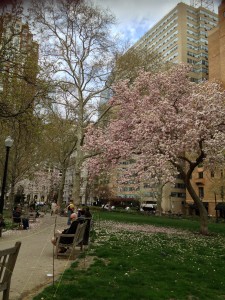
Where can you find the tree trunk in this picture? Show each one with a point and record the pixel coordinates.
(79, 156)
(76, 188)
(61, 186)
(201, 207)
(159, 195)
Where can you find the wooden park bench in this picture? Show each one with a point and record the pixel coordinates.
(77, 241)
(7, 263)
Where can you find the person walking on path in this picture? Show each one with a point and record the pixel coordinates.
(54, 208)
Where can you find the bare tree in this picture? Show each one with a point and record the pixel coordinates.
(59, 140)
(79, 56)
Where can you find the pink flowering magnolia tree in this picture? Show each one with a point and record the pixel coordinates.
(169, 123)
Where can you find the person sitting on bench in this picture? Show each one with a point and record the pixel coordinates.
(17, 218)
(17, 215)
(71, 230)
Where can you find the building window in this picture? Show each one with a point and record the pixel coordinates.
(200, 175)
(181, 195)
(180, 185)
(177, 195)
(201, 192)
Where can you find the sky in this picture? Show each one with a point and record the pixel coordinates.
(136, 17)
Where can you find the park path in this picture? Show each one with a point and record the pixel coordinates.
(34, 264)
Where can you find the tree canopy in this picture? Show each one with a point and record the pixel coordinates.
(170, 123)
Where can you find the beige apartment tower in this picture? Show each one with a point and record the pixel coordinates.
(182, 36)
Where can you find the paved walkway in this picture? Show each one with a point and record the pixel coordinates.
(34, 265)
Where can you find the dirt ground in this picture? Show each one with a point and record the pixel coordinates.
(35, 267)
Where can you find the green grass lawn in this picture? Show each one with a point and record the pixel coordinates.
(185, 223)
(132, 261)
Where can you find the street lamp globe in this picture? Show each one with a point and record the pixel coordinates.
(8, 142)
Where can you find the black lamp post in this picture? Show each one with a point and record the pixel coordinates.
(8, 145)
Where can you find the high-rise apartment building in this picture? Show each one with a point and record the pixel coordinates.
(182, 36)
(18, 54)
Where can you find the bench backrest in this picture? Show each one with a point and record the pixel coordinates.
(79, 235)
(7, 262)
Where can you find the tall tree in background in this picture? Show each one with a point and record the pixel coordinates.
(25, 153)
(170, 123)
(59, 141)
(79, 56)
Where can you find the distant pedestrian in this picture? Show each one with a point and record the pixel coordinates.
(53, 208)
(81, 214)
(70, 210)
(87, 213)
